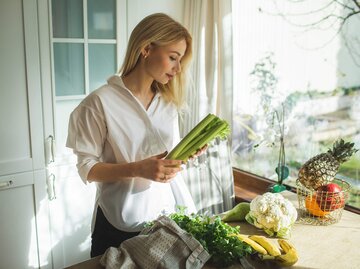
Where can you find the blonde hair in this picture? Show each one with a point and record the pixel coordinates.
(160, 30)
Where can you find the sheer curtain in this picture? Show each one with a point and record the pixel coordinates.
(210, 87)
(210, 91)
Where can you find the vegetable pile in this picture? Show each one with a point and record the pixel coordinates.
(204, 132)
(273, 213)
(215, 236)
(227, 246)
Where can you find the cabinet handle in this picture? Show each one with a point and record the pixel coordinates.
(50, 149)
(51, 187)
(5, 184)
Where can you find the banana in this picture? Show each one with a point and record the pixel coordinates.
(267, 250)
(270, 247)
(290, 257)
(285, 245)
(244, 238)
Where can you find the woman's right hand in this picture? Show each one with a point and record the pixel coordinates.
(159, 169)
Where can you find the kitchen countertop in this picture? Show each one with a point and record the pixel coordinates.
(322, 247)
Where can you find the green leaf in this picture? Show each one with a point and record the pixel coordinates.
(249, 219)
(283, 172)
(276, 188)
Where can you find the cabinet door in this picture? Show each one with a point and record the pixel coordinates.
(24, 215)
(21, 133)
(24, 229)
(81, 44)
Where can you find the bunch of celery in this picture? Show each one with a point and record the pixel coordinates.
(205, 131)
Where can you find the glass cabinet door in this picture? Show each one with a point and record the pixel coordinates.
(67, 18)
(102, 63)
(83, 46)
(101, 19)
(84, 37)
(69, 69)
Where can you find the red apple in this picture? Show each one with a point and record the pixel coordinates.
(330, 197)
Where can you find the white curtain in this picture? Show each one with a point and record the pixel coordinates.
(210, 177)
(210, 89)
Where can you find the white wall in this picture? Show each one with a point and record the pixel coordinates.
(138, 9)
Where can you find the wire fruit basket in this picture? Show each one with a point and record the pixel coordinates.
(321, 207)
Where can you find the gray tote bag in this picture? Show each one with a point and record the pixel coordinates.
(162, 246)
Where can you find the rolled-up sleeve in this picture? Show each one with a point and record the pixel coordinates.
(86, 136)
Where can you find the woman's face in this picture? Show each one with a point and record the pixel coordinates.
(163, 63)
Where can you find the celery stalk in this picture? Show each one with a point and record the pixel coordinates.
(216, 131)
(208, 129)
(193, 142)
(213, 124)
(190, 136)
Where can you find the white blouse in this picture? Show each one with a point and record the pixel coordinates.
(112, 126)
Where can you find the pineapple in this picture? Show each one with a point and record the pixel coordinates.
(322, 168)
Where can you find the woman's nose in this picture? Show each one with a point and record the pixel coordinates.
(178, 67)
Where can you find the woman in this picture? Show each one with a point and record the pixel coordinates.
(122, 131)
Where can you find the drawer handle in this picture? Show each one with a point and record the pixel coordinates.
(5, 184)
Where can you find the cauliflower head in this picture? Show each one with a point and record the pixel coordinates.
(273, 213)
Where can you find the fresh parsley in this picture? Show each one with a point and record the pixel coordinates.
(215, 237)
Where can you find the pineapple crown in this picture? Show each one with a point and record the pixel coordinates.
(342, 151)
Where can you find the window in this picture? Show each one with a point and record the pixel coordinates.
(288, 63)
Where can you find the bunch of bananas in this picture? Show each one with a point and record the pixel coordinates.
(285, 255)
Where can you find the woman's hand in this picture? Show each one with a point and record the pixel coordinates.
(158, 169)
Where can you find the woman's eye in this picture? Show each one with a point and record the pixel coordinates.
(172, 58)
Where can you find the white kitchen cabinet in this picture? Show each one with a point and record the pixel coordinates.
(24, 225)
(21, 140)
(24, 230)
(81, 45)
